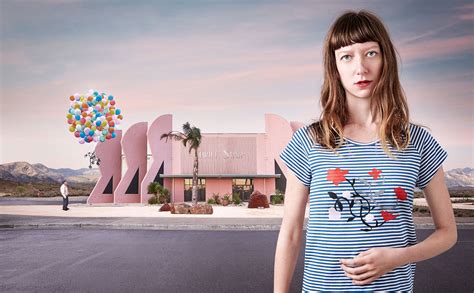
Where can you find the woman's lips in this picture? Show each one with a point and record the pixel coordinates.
(363, 84)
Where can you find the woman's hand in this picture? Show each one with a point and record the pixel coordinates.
(370, 265)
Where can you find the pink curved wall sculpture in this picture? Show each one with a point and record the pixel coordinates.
(279, 132)
(134, 149)
(161, 152)
(110, 155)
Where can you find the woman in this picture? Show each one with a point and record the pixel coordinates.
(359, 165)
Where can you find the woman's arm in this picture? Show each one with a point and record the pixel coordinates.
(445, 235)
(375, 262)
(289, 239)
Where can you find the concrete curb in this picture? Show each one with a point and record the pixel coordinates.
(144, 227)
(182, 227)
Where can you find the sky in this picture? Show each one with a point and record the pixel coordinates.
(221, 65)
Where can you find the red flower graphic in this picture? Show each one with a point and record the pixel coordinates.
(387, 216)
(401, 193)
(375, 173)
(337, 176)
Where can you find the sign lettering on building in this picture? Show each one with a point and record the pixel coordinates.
(223, 155)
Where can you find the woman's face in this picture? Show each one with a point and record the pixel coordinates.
(359, 66)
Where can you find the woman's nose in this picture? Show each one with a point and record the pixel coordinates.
(361, 67)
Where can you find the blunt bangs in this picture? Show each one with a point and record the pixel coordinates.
(353, 28)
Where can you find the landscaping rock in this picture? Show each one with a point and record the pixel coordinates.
(165, 208)
(201, 209)
(258, 200)
(180, 208)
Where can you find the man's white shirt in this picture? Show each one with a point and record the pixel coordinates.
(64, 190)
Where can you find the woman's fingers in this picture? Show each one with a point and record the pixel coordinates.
(356, 270)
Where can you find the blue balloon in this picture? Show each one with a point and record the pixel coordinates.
(98, 98)
(113, 134)
(78, 117)
(117, 112)
(82, 134)
(91, 133)
(96, 93)
(97, 123)
(111, 98)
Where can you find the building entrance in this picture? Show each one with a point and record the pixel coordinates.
(188, 189)
(243, 187)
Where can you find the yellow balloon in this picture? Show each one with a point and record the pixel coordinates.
(104, 123)
(93, 127)
(72, 128)
(69, 116)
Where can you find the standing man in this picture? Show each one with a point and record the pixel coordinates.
(65, 193)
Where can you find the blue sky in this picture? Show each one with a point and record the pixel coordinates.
(220, 65)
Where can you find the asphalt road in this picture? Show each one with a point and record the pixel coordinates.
(81, 260)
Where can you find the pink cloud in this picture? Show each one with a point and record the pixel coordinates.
(436, 48)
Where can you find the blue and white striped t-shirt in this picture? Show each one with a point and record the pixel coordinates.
(360, 198)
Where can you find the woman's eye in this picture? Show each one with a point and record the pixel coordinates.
(372, 53)
(345, 58)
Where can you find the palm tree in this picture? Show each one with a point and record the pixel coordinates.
(191, 135)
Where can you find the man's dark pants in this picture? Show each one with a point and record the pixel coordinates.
(65, 202)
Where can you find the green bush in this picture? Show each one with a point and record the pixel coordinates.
(216, 198)
(236, 199)
(153, 200)
(211, 201)
(277, 198)
(161, 194)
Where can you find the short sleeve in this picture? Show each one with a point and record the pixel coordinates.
(432, 156)
(295, 156)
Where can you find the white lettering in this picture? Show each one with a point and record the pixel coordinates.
(233, 155)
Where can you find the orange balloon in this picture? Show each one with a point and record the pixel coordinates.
(120, 117)
(111, 129)
(85, 106)
(84, 114)
(72, 98)
(89, 98)
(109, 118)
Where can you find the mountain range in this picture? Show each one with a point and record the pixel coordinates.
(24, 172)
(36, 173)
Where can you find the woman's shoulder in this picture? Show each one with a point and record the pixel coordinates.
(418, 134)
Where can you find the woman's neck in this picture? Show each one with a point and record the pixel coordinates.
(361, 114)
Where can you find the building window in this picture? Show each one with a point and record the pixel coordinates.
(188, 189)
(243, 187)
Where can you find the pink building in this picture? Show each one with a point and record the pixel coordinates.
(229, 163)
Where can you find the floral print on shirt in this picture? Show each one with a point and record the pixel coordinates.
(360, 205)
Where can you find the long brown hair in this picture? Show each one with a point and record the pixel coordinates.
(388, 98)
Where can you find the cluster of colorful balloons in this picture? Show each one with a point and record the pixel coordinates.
(93, 117)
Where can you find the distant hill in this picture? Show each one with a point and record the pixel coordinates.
(461, 177)
(24, 172)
